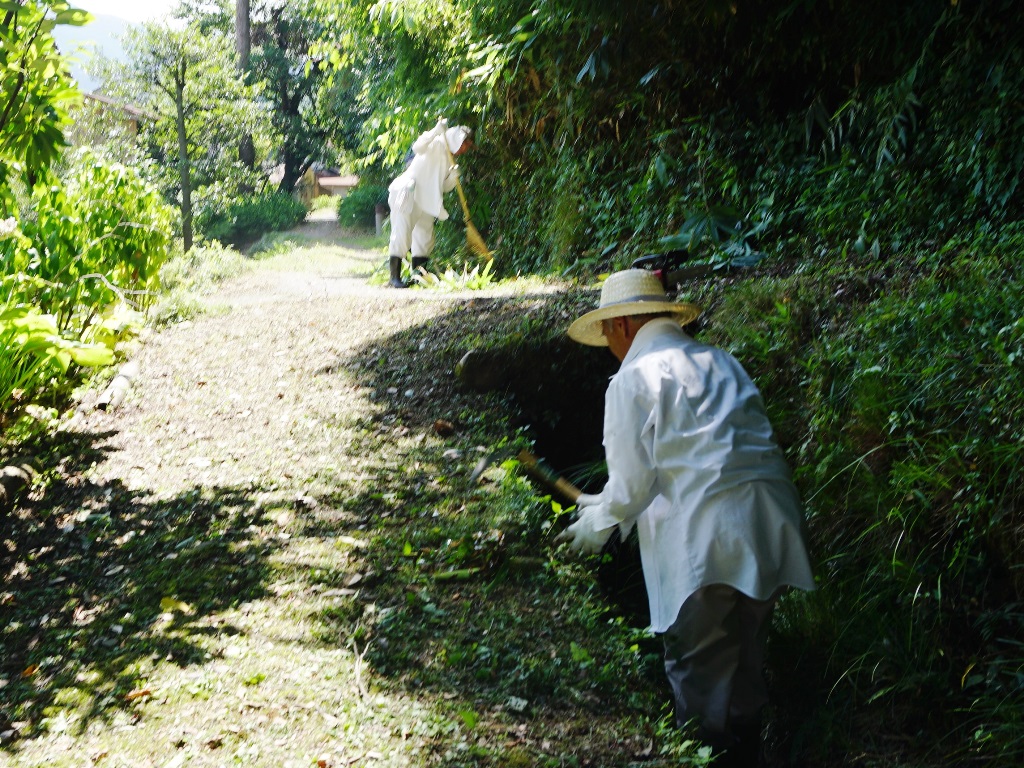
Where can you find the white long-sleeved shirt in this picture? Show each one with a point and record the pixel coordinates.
(692, 461)
(429, 175)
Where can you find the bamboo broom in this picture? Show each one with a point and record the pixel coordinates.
(473, 238)
(542, 473)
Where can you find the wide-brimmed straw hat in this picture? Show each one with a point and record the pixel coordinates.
(630, 292)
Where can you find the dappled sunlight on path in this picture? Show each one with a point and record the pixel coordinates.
(259, 400)
(273, 552)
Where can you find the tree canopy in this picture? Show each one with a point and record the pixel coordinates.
(35, 88)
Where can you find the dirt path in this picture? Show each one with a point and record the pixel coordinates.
(239, 422)
(272, 553)
(248, 391)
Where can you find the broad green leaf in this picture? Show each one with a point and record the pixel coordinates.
(580, 654)
(91, 355)
(35, 322)
(74, 17)
(63, 359)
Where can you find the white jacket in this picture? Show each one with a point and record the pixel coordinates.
(692, 461)
(429, 175)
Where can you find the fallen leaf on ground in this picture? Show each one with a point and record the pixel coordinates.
(353, 542)
(171, 604)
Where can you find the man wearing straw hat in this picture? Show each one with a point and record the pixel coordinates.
(693, 463)
(416, 196)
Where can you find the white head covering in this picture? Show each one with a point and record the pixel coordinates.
(629, 292)
(456, 137)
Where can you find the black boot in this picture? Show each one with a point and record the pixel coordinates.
(395, 262)
(740, 749)
(417, 262)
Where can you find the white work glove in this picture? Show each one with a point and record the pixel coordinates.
(441, 127)
(451, 179)
(582, 535)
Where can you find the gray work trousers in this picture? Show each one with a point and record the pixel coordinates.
(714, 659)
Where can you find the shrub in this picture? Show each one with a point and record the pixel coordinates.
(357, 208)
(898, 393)
(90, 247)
(92, 244)
(33, 355)
(247, 219)
(275, 212)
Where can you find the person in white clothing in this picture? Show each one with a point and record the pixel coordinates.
(416, 196)
(693, 463)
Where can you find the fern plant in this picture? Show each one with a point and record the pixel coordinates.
(476, 278)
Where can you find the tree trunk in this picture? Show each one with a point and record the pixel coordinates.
(184, 166)
(291, 173)
(243, 46)
(243, 36)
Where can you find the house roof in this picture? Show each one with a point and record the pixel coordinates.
(126, 108)
(338, 181)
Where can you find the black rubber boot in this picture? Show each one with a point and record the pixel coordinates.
(395, 262)
(417, 262)
(740, 749)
